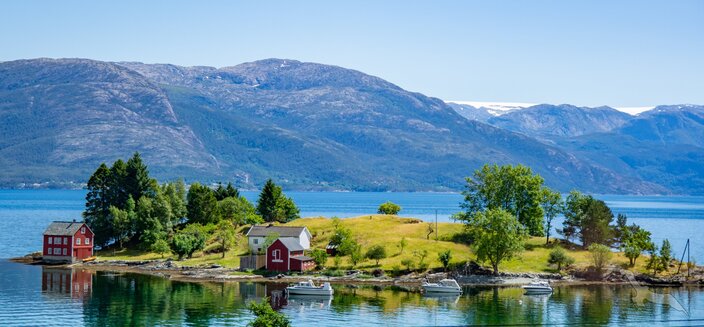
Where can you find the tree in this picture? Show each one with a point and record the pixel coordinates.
(266, 316)
(514, 189)
(97, 210)
(356, 255)
(430, 231)
(410, 264)
(225, 235)
(601, 255)
(635, 240)
(558, 256)
(655, 262)
(402, 244)
(160, 247)
(269, 240)
(666, 253)
(421, 254)
(498, 236)
(320, 257)
(202, 206)
(148, 225)
(137, 180)
(445, 258)
(117, 194)
(587, 218)
(222, 193)
(376, 252)
(175, 193)
(123, 221)
(389, 208)
(188, 241)
(552, 205)
(574, 212)
(239, 211)
(273, 205)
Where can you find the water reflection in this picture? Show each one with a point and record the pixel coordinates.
(118, 299)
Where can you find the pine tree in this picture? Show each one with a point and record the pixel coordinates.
(137, 181)
(202, 206)
(97, 213)
(266, 205)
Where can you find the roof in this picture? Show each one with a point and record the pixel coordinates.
(283, 231)
(63, 228)
(290, 244)
(302, 258)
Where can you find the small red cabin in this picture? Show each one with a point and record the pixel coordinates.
(287, 255)
(67, 242)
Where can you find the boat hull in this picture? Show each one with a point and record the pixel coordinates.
(318, 292)
(440, 289)
(530, 290)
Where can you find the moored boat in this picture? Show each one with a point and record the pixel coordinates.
(444, 286)
(538, 287)
(309, 288)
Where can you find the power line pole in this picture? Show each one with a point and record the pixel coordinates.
(436, 224)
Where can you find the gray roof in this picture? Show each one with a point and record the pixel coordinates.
(63, 228)
(302, 258)
(283, 231)
(291, 244)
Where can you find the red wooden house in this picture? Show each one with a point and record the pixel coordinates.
(67, 242)
(287, 255)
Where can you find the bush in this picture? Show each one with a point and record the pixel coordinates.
(378, 272)
(266, 316)
(376, 252)
(601, 255)
(559, 257)
(389, 208)
(409, 263)
(320, 257)
(445, 258)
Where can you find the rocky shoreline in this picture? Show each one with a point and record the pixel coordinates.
(473, 276)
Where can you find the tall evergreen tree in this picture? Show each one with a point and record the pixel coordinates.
(266, 205)
(137, 181)
(202, 205)
(97, 212)
(175, 193)
(117, 193)
(229, 191)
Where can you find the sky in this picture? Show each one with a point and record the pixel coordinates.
(587, 53)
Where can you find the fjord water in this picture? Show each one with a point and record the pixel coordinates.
(35, 295)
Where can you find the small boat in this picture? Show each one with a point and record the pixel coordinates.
(444, 286)
(309, 288)
(538, 287)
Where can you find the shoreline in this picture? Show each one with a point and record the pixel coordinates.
(412, 282)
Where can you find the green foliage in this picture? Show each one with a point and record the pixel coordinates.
(225, 235)
(222, 193)
(421, 255)
(356, 255)
(273, 205)
(266, 316)
(337, 261)
(587, 218)
(514, 189)
(137, 180)
(202, 205)
(601, 255)
(444, 258)
(552, 205)
(409, 264)
(269, 240)
(123, 221)
(498, 236)
(634, 240)
(320, 257)
(666, 253)
(188, 241)
(175, 193)
(239, 211)
(402, 244)
(558, 256)
(655, 262)
(430, 231)
(376, 252)
(97, 210)
(389, 208)
(161, 246)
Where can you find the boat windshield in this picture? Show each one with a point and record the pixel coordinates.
(449, 282)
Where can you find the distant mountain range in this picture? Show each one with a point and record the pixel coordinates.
(311, 127)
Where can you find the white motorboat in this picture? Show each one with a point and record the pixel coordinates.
(444, 286)
(538, 287)
(309, 288)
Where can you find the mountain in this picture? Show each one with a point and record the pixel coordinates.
(481, 114)
(547, 121)
(307, 125)
(664, 145)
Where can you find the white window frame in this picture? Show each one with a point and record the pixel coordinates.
(78, 241)
(64, 251)
(256, 241)
(65, 240)
(51, 240)
(50, 251)
(57, 240)
(83, 230)
(87, 242)
(276, 256)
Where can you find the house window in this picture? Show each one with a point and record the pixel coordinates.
(50, 251)
(276, 255)
(57, 240)
(50, 240)
(256, 241)
(83, 230)
(78, 241)
(65, 240)
(64, 251)
(87, 241)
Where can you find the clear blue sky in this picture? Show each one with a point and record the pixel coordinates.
(619, 53)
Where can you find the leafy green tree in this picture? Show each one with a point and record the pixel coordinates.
(97, 212)
(430, 231)
(389, 208)
(635, 240)
(421, 255)
(402, 244)
(148, 225)
(376, 252)
(409, 264)
(601, 255)
(188, 241)
(655, 261)
(273, 205)
(123, 221)
(137, 180)
(666, 253)
(269, 240)
(266, 316)
(225, 235)
(558, 256)
(117, 194)
(222, 193)
(445, 258)
(552, 205)
(514, 189)
(161, 246)
(575, 205)
(320, 257)
(239, 211)
(589, 219)
(356, 255)
(202, 206)
(175, 193)
(498, 236)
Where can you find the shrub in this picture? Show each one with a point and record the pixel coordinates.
(409, 263)
(601, 255)
(320, 257)
(389, 208)
(445, 258)
(266, 316)
(376, 252)
(559, 257)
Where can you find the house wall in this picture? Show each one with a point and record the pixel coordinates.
(64, 245)
(277, 265)
(81, 249)
(304, 240)
(255, 242)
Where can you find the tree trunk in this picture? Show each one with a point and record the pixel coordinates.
(496, 269)
(559, 266)
(547, 239)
